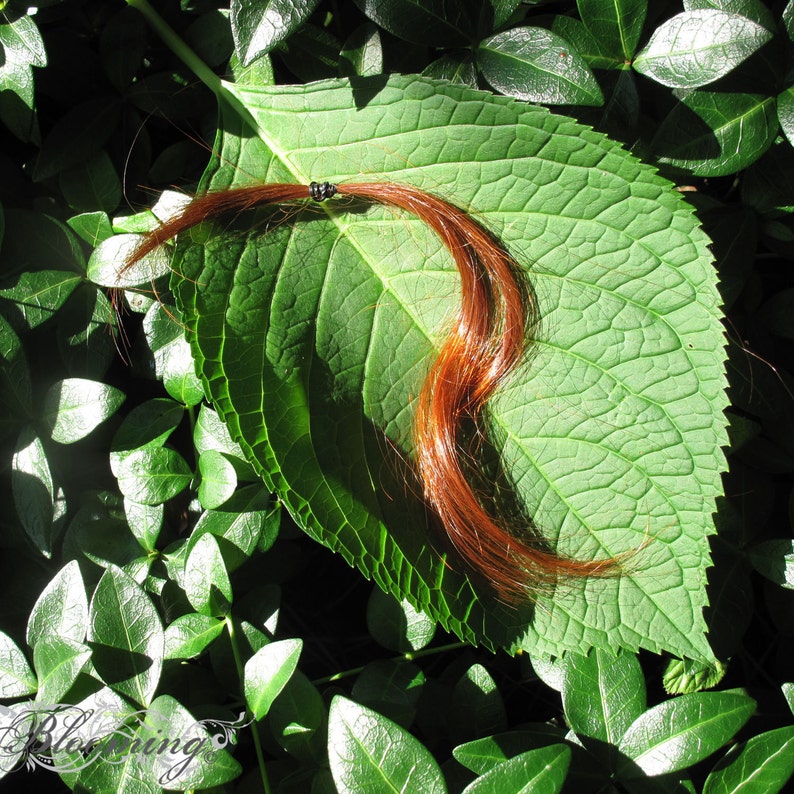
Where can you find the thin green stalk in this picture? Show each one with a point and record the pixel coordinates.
(238, 661)
(404, 657)
(178, 47)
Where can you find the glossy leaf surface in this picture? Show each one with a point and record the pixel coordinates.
(313, 340)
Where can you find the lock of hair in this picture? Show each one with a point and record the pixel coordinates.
(487, 340)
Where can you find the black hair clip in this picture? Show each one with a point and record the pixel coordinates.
(320, 191)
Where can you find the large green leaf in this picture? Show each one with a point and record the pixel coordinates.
(313, 341)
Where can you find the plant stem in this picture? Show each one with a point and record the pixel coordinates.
(404, 657)
(238, 661)
(178, 47)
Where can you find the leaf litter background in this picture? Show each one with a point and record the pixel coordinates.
(313, 339)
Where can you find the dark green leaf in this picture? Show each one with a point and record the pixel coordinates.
(15, 387)
(211, 38)
(17, 97)
(482, 755)
(206, 581)
(58, 661)
(172, 359)
(362, 53)
(77, 136)
(33, 489)
(122, 45)
(615, 25)
(267, 673)
(22, 47)
(538, 770)
(35, 241)
(788, 19)
(311, 54)
(16, 677)
(75, 406)
(698, 47)
(537, 65)
(433, 22)
(679, 733)
(247, 522)
(148, 425)
(476, 708)
(763, 763)
(152, 476)
(457, 67)
(126, 636)
(258, 26)
(99, 533)
(92, 185)
(366, 751)
(785, 112)
(38, 295)
(595, 53)
(602, 694)
(714, 134)
(392, 687)
(190, 635)
(396, 625)
(298, 719)
(775, 560)
(62, 609)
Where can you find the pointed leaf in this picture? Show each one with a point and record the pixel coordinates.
(189, 635)
(39, 295)
(679, 733)
(16, 677)
(698, 47)
(716, 133)
(75, 406)
(33, 490)
(206, 581)
(62, 609)
(615, 25)
(366, 751)
(298, 719)
(433, 22)
(482, 755)
(602, 694)
(218, 479)
(543, 770)
(58, 661)
(396, 625)
(537, 65)
(153, 476)
(258, 26)
(267, 673)
(763, 763)
(126, 636)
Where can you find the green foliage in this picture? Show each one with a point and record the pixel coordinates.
(154, 569)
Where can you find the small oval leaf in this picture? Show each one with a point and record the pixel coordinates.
(537, 65)
(366, 751)
(267, 673)
(697, 47)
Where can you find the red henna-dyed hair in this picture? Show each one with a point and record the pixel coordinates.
(486, 342)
